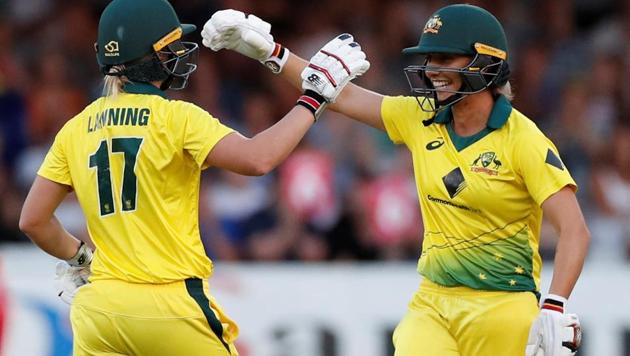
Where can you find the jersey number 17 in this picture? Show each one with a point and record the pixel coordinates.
(129, 147)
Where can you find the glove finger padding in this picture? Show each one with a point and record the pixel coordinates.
(552, 326)
(572, 332)
(534, 339)
(220, 31)
(247, 35)
(357, 62)
(554, 333)
(333, 66)
(258, 41)
(225, 19)
(261, 27)
(219, 39)
(69, 279)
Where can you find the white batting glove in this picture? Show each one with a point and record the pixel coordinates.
(73, 273)
(553, 332)
(69, 279)
(330, 70)
(247, 35)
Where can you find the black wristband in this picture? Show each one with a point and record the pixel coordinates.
(314, 102)
(553, 304)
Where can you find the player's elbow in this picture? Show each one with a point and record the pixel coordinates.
(260, 168)
(582, 233)
(252, 165)
(29, 222)
(579, 235)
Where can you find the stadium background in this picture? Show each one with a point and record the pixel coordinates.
(318, 258)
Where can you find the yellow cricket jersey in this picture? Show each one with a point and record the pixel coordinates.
(134, 161)
(480, 196)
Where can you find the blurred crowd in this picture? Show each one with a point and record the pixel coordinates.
(347, 193)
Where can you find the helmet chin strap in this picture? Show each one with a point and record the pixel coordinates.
(146, 71)
(166, 83)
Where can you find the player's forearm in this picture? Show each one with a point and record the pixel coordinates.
(354, 101)
(570, 254)
(51, 237)
(272, 146)
(293, 69)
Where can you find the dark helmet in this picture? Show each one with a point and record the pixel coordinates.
(145, 37)
(461, 30)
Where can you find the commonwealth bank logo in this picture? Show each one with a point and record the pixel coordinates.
(454, 182)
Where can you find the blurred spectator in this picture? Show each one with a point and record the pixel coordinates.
(9, 210)
(570, 131)
(611, 193)
(241, 207)
(529, 80)
(390, 211)
(12, 102)
(307, 188)
(52, 100)
(604, 91)
(12, 131)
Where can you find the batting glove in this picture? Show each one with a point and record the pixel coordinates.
(329, 71)
(247, 35)
(553, 332)
(73, 273)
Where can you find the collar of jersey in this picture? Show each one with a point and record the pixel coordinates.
(143, 88)
(499, 115)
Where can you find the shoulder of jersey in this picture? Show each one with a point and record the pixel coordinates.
(521, 124)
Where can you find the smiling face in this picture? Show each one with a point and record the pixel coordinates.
(445, 82)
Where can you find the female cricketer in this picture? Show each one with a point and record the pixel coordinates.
(133, 157)
(485, 175)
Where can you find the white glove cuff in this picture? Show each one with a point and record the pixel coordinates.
(554, 302)
(277, 59)
(558, 298)
(83, 257)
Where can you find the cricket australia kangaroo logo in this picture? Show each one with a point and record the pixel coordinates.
(487, 163)
(433, 25)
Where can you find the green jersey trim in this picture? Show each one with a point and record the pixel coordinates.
(461, 142)
(505, 263)
(498, 117)
(143, 88)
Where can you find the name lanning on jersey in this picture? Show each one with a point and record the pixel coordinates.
(119, 117)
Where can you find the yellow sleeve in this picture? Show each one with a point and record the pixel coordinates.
(538, 163)
(400, 114)
(201, 132)
(55, 166)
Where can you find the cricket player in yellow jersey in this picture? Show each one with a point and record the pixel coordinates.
(485, 175)
(134, 158)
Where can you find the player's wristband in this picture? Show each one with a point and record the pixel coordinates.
(554, 302)
(314, 102)
(82, 258)
(278, 59)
